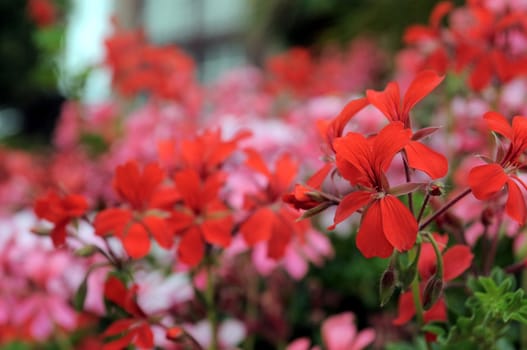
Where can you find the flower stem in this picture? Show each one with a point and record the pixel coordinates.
(423, 207)
(444, 208)
(408, 179)
(439, 258)
(417, 301)
(211, 308)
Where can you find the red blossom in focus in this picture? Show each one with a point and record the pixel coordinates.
(60, 210)
(488, 180)
(135, 226)
(418, 155)
(386, 223)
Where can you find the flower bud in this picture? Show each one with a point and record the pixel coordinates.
(387, 285)
(435, 189)
(86, 251)
(174, 333)
(432, 292)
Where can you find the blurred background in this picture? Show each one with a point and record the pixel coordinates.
(48, 54)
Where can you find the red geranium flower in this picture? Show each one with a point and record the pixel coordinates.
(489, 179)
(269, 221)
(134, 226)
(60, 210)
(386, 223)
(203, 216)
(419, 156)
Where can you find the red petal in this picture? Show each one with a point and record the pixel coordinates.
(388, 142)
(159, 229)
(339, 123)
(406, 309)
(422, 157)
(136, 241)
(387, 101)
(456, 260)
(349, 205)
(355, 149)
(498, 123)
(144, 336)
(119, 326)
(126, 181)
(255, 162)
(284, 174)
(316, 180)
(218, 231)
(370, 239)
(191, 247)
(112, 221)
(436, 313)
(115, 291)
(58, 234)
(74, 205)
(188, 184)
(422, 85)
(515, 206)
(258, 226)
(440, 10)
(486, 180)
(151, 178)
(398, 223)
(481, 74)
(281, 234)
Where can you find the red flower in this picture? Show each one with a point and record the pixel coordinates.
(203, 216)
(60, 210)
(269, 221)
(419, 156)
(456, 260)
(43, 12)
(133, 330)
(206, 153)
(134, 226)
(386, 223)
(489, 179)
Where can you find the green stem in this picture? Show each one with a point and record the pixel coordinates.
(408, 179)
(211, 308)
(423, 207)
(444, 208)
(439, 258)
(417, 301)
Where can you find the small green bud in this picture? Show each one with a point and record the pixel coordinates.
(86, 251)
(432, 292)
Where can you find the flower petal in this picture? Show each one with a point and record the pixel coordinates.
(424, 158)
(136, 241)
(398, 224)
(258, 226)
(387, 101)
(370, 239)
(498, 123)
(350, 204)
(218, 231)
(191, 247)
(422, 85)
(515, 206)
(159, 229)
(486, 180)
(406, 309)
(112, 221)
(456, 260)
